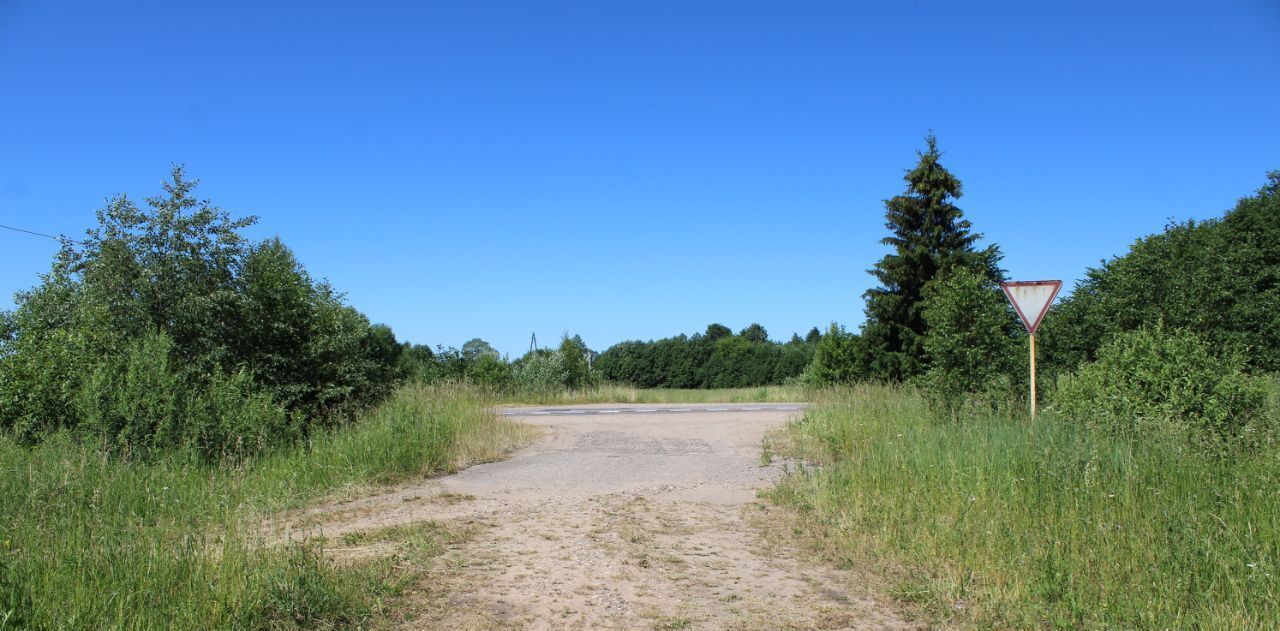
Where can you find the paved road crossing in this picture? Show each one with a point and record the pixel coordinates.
(647, 410)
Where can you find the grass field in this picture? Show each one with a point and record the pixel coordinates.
(610, 393)
(1004, 522)
(95, 543)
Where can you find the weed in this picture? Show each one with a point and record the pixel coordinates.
(992, 521)
(89, 540)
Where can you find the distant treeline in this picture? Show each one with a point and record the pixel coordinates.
(164, 327)
(714, 359)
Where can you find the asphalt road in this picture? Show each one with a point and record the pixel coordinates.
(579, 410)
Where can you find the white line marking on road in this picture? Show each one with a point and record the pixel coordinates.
(751, 409)
(645, 411)
(575, 411)
(610, 411)
(717, 409)
(541, 412)
(681, 410)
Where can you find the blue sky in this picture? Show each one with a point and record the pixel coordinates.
(632, 170)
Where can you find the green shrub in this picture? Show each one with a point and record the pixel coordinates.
(540, 373)
(1220, 278)
(1151, 383)
(970, 343)
(139, 404)
(82, 351)
(837, 358)
(231, 417)
(574, 354)
(490, 371)
(131, 400)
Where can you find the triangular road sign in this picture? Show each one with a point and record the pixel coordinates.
(1031, 299)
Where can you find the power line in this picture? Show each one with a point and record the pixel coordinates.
(58, 238)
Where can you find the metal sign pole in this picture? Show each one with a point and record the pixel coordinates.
(1031, 299)
(1033, 376)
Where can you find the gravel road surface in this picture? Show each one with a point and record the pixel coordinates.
(621, 517)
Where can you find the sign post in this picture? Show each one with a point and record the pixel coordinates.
(1031, 299)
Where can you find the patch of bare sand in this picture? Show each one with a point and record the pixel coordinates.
(633, 521)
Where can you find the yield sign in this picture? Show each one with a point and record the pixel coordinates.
(1031, 299)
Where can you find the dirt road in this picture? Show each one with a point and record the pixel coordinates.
(621, 517)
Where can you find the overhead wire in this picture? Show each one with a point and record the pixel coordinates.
(58, 238)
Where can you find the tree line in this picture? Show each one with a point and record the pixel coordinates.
(1197, 305)
(716, 358)
(165, 326)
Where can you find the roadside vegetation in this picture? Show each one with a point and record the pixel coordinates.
(167, 386)
(1143, 495)
(169, 383)
(93, 541)
(715, 359)
(997, 521)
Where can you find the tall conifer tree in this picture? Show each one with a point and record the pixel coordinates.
(929, 236)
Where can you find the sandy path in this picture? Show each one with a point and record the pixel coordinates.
(628, 520)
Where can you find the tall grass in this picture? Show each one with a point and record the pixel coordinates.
(93, 542)
(613, 393)
(1005, 522)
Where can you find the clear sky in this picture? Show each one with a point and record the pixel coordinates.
(632, 170)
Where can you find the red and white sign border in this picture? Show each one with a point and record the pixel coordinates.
(1031, 327)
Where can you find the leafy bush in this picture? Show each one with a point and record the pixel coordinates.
(541, 373)
(231, 417)
(970, 343)
(489, 370)
(1151, 383)
(167, 310)
(574, 353)
(139, 403)
(1220, 278)
(132, 401)
(837, 358)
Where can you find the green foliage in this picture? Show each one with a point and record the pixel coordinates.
(1151, 383)
(631, 362)
(718, 359)
(231, 417)
(837, 358)
(970, 341)
(813, 336)
(929, 237)
(489, 370)
(476, 348)
(132, 400)
(754, 333)
(92, 542)
(1000, 522)
(573, 355)
(417, 361)
(1220, 278)
(716, 331)
(160, 307)
(738, 362)
(540, 373)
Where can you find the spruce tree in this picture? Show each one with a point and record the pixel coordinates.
(929, 236)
